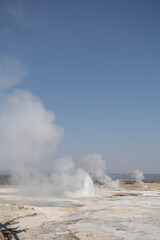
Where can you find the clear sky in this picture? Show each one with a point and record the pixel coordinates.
(96, 65)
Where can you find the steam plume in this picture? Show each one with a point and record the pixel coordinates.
(29, 141)
(139, 178)
(97, 168)
(29, 135)
(65, 179)
(72, 179)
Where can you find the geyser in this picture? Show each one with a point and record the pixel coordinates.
(97, 168)
(28, 144)
(29, 141)
(139, 177)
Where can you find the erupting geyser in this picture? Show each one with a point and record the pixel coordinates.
(28, 143)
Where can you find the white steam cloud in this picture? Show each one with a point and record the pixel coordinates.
(72, 179)
(139, 177)
(97, 168)
(65, 179)
(28, 132)
(29, 141)
(30, 138)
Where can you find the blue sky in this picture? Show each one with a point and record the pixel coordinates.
(95, 64)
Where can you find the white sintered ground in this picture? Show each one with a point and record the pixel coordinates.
(130, 215)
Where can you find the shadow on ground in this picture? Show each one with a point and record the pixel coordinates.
(9, 231)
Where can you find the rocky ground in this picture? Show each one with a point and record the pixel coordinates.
(131, 214)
